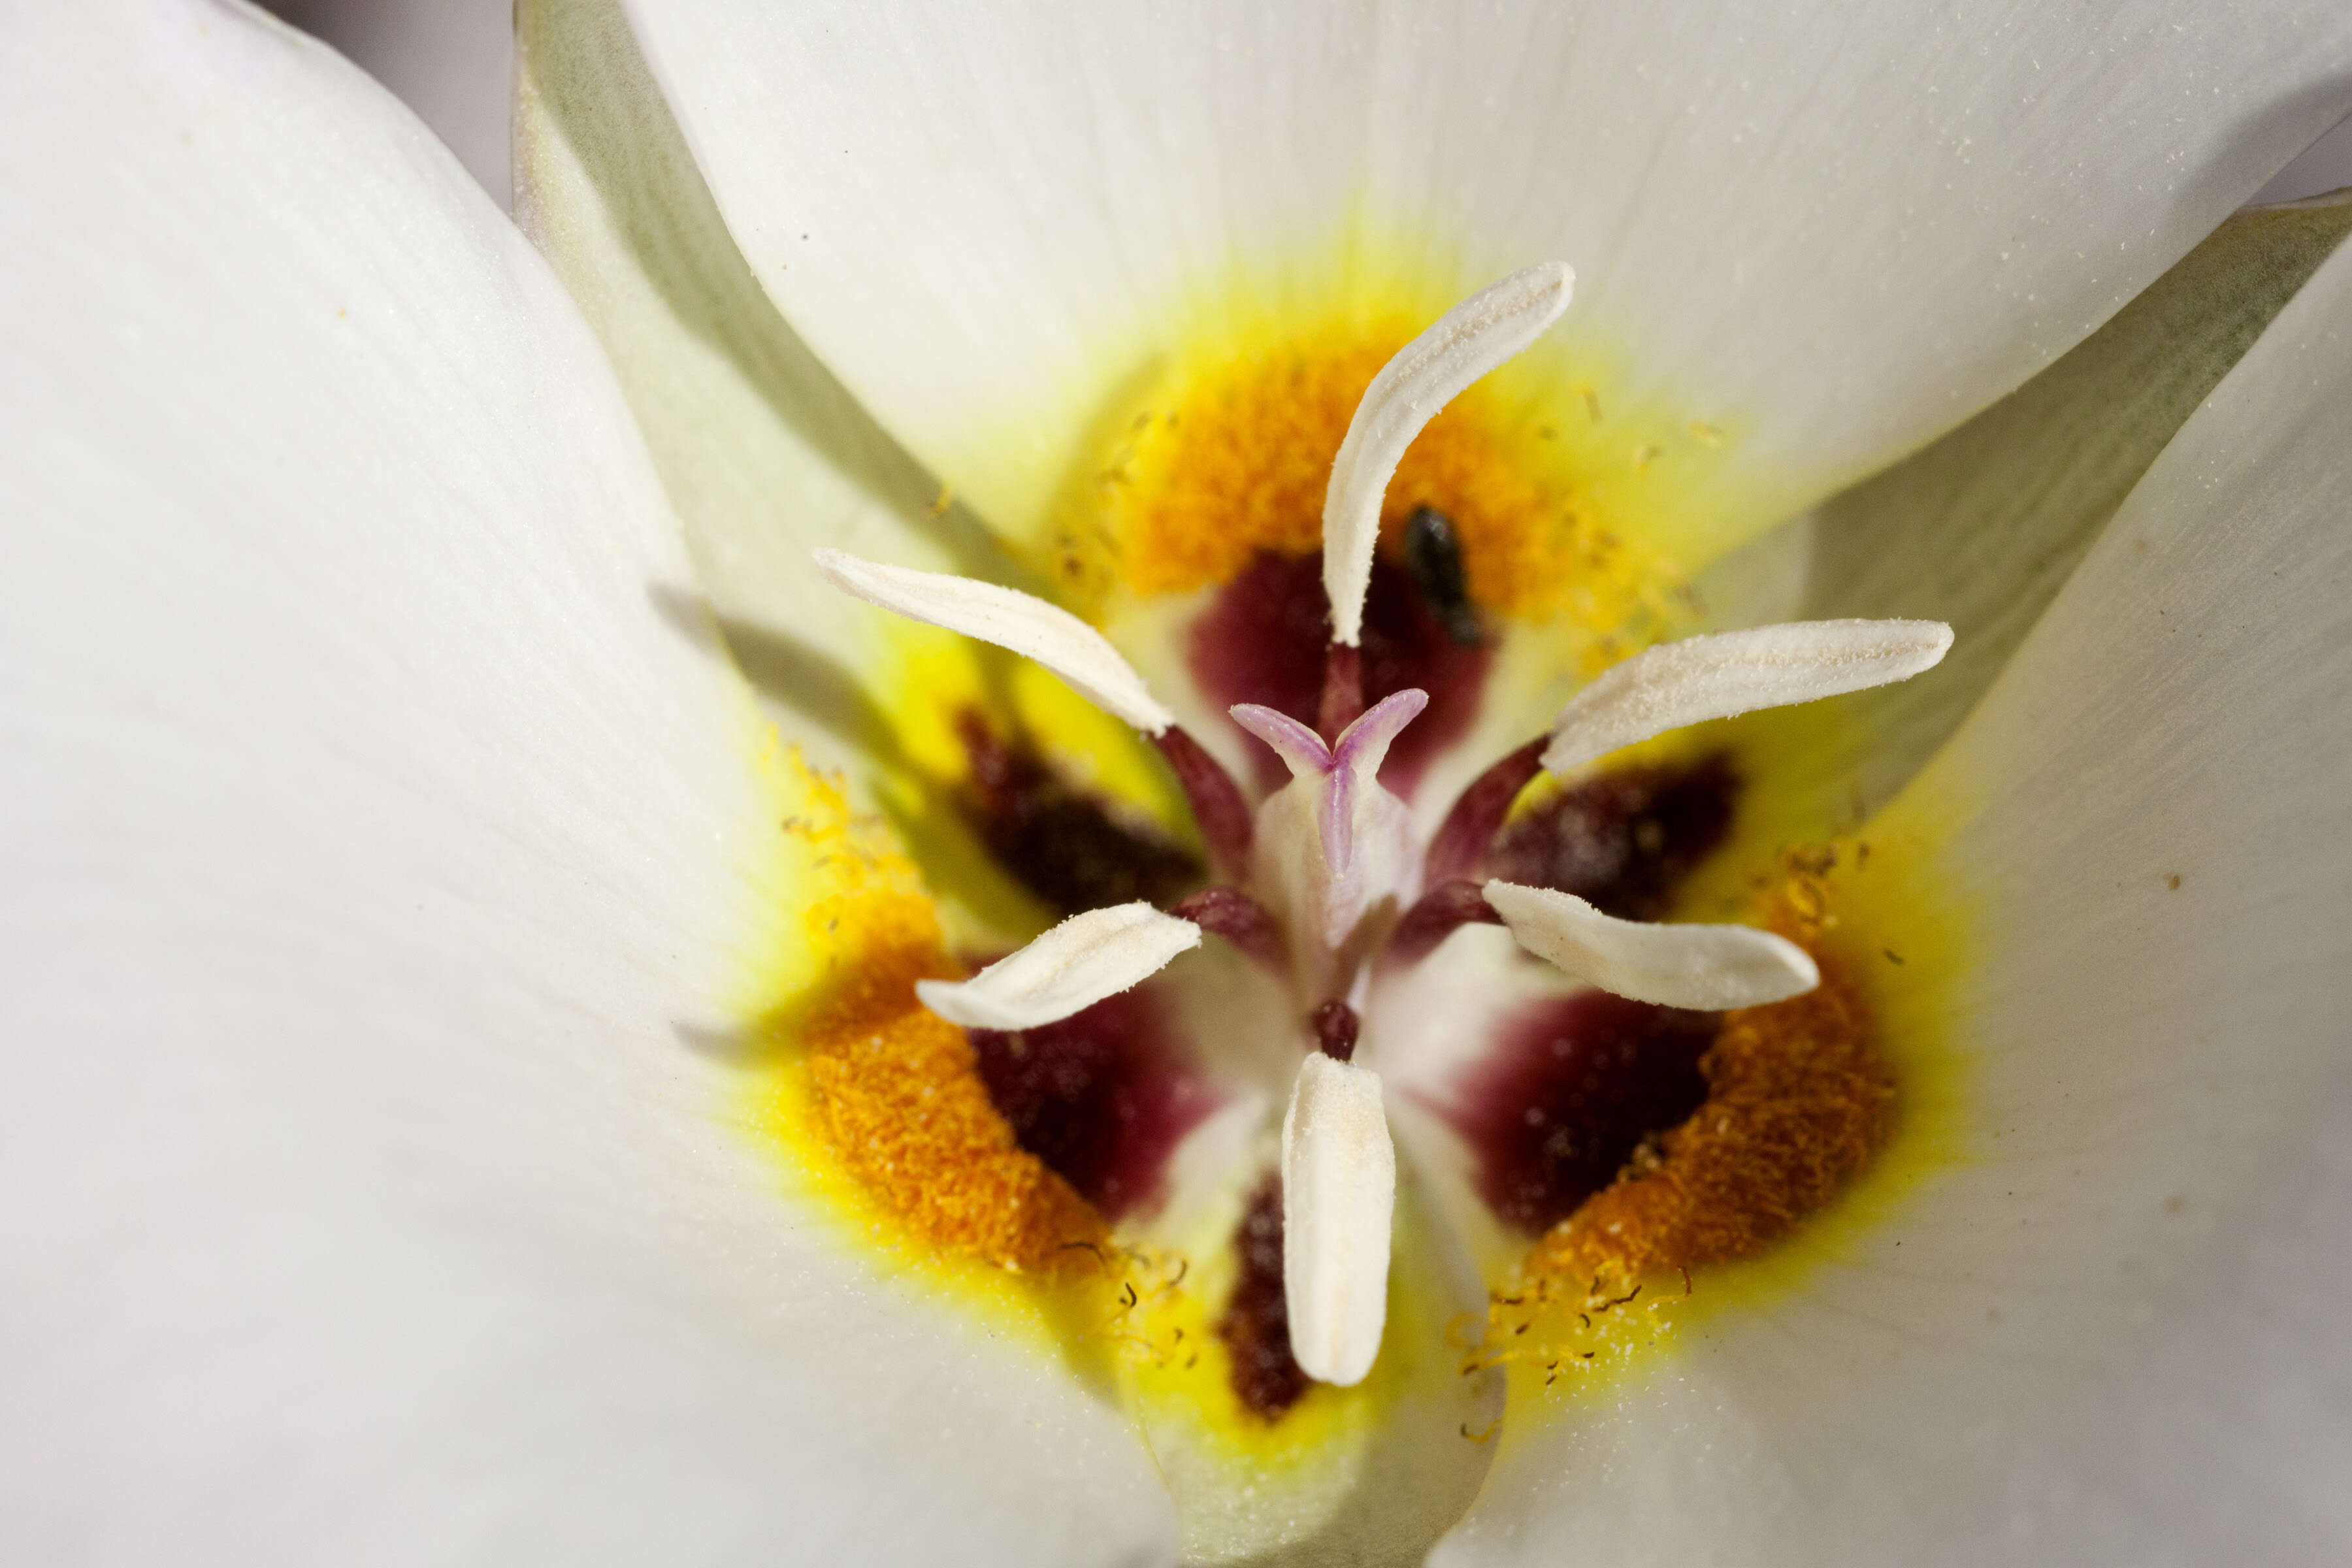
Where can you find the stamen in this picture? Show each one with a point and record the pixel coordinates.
(1476, 815)
(1338, 1192)
(1218, 808)
(1442, 911)
(1342, 700)
(1070, 968)
(1729, 673)
(1011, 619)
(1709, 968)
(1337, 1029)
(1240, 919)
(1473, 338)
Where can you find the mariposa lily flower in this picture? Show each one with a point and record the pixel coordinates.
(473, 1096)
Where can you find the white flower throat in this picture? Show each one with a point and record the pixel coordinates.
(1327, 880)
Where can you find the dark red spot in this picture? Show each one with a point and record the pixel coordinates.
(1069, 845)
(1255, 1326)
(1263, 639)
(1569, 1091)
(1622, 841)
(1103, 1097)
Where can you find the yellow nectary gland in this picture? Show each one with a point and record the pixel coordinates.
(1799, 1099)
(902, 1102)
(896, 1090)
(1236, 463)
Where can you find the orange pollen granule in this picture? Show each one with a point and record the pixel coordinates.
(1237, 463)
(1799, 1099)
(896, 1090)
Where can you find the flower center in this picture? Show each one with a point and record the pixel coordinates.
(1354, 674)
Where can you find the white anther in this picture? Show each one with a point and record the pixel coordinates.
(1700, 966)
(1698, 678)
(1011, 619)
(1473, 338)
(1339, 1194)
(1077, 964)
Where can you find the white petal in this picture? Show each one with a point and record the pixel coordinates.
(1010, 619)
(1833, 232)
(1485, 330)
(1077, 964)
(760, 452)
(373, 846)
(1981, 529)
(2105, 1326)
(1338, 1190)
(1708, 967)
(1725, 673)
(452, 61)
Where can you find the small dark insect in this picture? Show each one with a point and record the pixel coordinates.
(1432, 553)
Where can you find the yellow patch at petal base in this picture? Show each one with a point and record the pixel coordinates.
(874, 1109)
(1880, 915)
(1574, 505)
(1354, 1474)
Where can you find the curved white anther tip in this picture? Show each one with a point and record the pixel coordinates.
(1488, 327)
(1070, 968)
(1011, 619)
(1726, 674)
(1705, 967)
(1338, 1195)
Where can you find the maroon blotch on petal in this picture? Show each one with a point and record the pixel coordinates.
(1074, 848)
(1256, 1323)
(1568, 1090)
(1621, 841)
(1263, 638)
(1103, 1097)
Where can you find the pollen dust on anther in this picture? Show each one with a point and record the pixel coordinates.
(1799, 1098)
(896, 1090)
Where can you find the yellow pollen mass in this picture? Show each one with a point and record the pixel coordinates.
(1229, 458)
(1799, 1099)
(894, 1092)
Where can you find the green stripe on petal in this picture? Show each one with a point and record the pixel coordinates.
(1982, 529)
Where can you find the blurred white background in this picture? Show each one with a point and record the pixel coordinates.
(450, 60)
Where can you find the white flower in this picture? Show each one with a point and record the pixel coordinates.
(381, 826)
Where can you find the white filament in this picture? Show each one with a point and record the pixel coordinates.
(1011, 619)
(1706, 967)
(1679, 683)
(1473, 338)
(1338, 1192)
(1077, 964)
